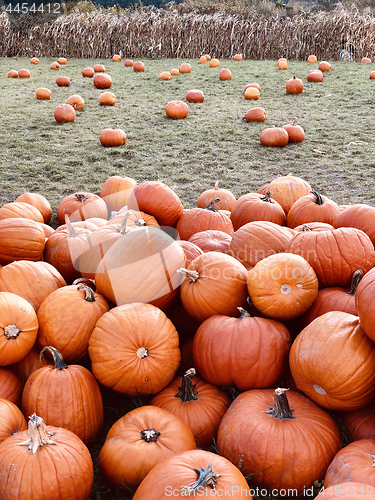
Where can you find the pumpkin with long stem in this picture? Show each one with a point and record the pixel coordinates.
(282, 439)
(200, 404)
(140, 440)
(66, 396)
(45, 462)
(247, 352)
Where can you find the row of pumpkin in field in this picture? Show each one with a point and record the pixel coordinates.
(291, 250)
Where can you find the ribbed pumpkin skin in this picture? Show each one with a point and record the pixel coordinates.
(348, 248)
(359, 216)
(180, 470)
(254, 206)
(38, 201)
(64, 471)
(20, 239)
(67, 319)
(10, 386)
(255, 115)
(115, 349)
(257, 240)
(212, 241)
(282, 286)
(202, 415)
(15, 311)
(313, 226)
(11, 419)
(286, 190)
(116, 191)
(31, 280)
(332, 362)
(190, 249)
(353, 463)
(157, 199)
(223, 347)
(148, 259)
(219, 289)
(291, 453)
(68, 398)
(305, 210)
(81, 206)
(348, 491)
(29, 364)
(274, 137)
(196, 220)
(359, 424)
(364, 301)
(125, 458)
(19, 209)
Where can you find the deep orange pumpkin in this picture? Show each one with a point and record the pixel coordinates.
(364, 303)
(38, 201)
(99, 68)
(324, 66)
(191, 251)
(225, 74)
(226, 197)
(63, 81)
(315, 76)
(20, 209)
(128, 63)
(359, 424)
(112, 137)
(274, 137)
(176, 110)
(312, 208)
(10, 386)
(138, 67)
(24, 73)
(295, 132)
(20, 239)
(361, 216)
(255, 115)
(76, 101)
(312, 59)
(64, 113)
(294, 86)
(11, 419)
(257, 207)
(88, 72)
(43, 94)
(287, 189)
(81, 206)
(194, 95)
(102, 81)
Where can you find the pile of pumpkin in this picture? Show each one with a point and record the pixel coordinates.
(266, 293)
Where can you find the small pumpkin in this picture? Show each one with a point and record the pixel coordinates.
(294, 86)
(24, 73)
(112, 137)
(372, 75)
(282, 63)
(184, 68)
(324, 66)
(76, 101)
(274, 137)
(165, 75)
(34, 60)
(227, 198)
(295, 132)
(252, 93)
(176, 109)
(315, 76)
(202, 60)
(12, 74)
(107, 99)
(55, 65)
(255, 85)
(312, 59)
(255, 206)
(194, 95)
(88, 72)
(43, 94)
(366, 60)
(255, 115)
(99, 68)
(237, 57)
(62, 60)
(225, 74)
(208, 57)
(214, 63)
(102, 81)
(138, 67)
(64, 113)
(128, 63)
(81, 206)
(174, 71)
(116, 58)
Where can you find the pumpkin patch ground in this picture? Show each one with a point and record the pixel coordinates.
(165, 166)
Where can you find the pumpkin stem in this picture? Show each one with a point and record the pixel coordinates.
(192, 275)
(81, 197)
(140, 223)
(89, 294)
(187, 390)
(206, 477)
(294, 123)
(150, 435)
(210, 206)
(216, 186)
(57, 358)
(122, 229)
(11, 331)
(267, 197)
(86, 282)
(243, 313)
(306, 228)
(318, 198)
(38, 434)
(280, 408)
(356, 278)
(142, 352)
(69, 227)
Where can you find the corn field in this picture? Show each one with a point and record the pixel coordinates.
(152, 32)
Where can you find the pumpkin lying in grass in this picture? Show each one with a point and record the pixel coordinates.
(111, 137)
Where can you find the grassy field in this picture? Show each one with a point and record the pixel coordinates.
(213, 142)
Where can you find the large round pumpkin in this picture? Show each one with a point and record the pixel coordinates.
(116, 191)
(287, 189)
(282, 439)
(38, 201)
(214, 283)
(192, 474)
(147, 258)
(134, 349)
(282, 286)
(224, 345)
(361, 216)
(312, 208)
(65, 396)
(200, 404)
(140, 440)
(64, 113)
(294, 86)
(81, 206)
(58, 452)
(332, 361)
(176, 109)
(257, 207)
(102, 81)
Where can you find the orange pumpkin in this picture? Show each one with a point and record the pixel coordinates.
(81, 206)
(372, 75)
(43, 93)
(10, 386)
(128, 63)
(76, 101)
(184, 68)
(12, 74)
(116, 191)
(134, 349)
(324, 66)
(214, 63)
(364, 303)
(165, 75)
(102, 81)
(251, 93)
(138, 67)
(20, 209)
(365, 60)
(312, 208)
(282, 63)
(99, 68)
(255, 115)
(191, 251)
(107, 99)
(194, 95)
(116, 58)
(11, 419)
(202, 60)
(88, 72)
(295, 132)
(274, 137)
(64, 113)
(237, 57)
(20, 239)
(255, 85)
(360, 216)
(315, 76)
(140, 440)
(176, 109)
(29, 364)
(24, 73)
(55, 65)
(62, 60)
(225, 74)
(294, 86)
(312, 59)
(112, 137)
(212, 241)
(255, 206)
(287, 189)
(174, 71)
(227, 199)
(34, 60)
